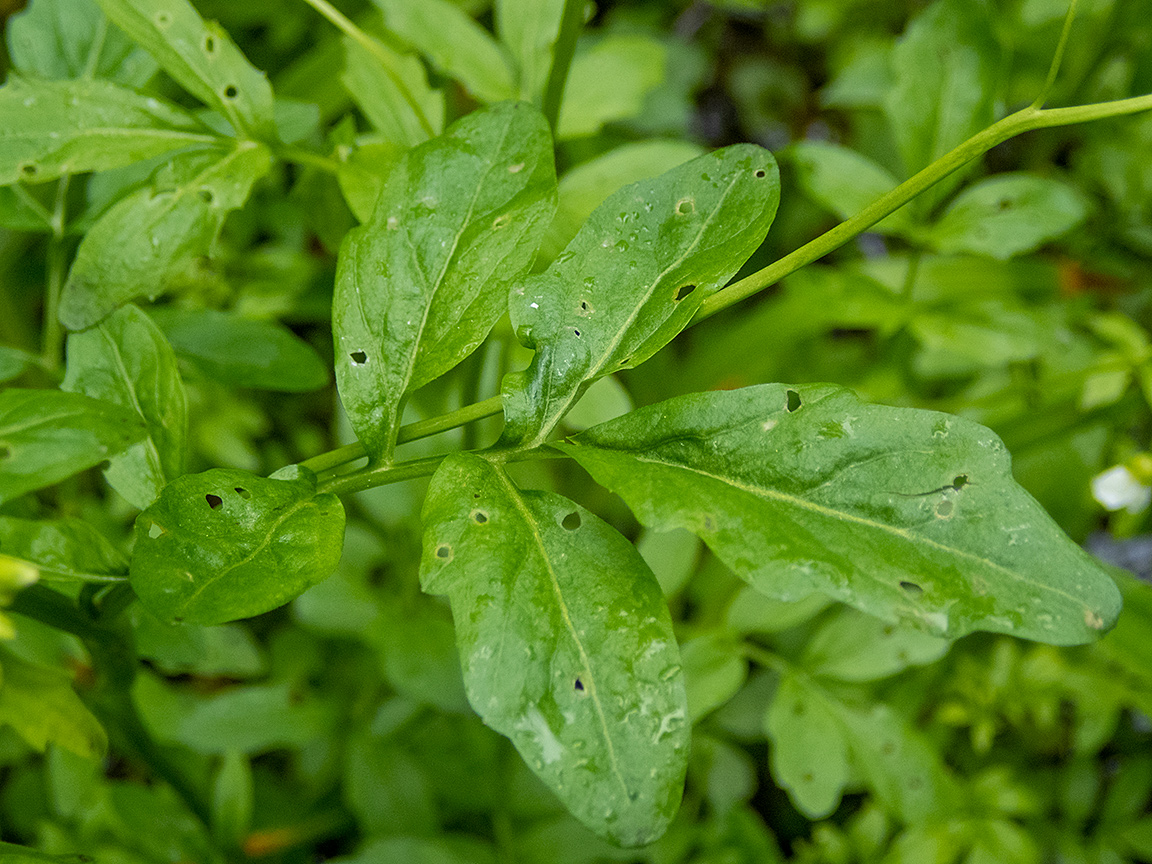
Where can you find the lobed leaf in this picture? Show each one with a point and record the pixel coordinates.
(908, 515)
(633, 277)
(56, 39)
(59, 127)
(66, 549)
(419, 286)
(127, 361)
(455, 43)
(227, 544)
(202, 58)
(566, 645)
(48, 435)
(134, 248)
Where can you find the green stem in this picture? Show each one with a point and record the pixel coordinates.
(571, 24)
(1058, 57)
(307, 157)
(53, 344)
(373, 47)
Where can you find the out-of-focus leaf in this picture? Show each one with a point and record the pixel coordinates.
(395, 98)
(232, 793)
(608, 82)
(40, 704)
(227, 544)
(633, 278)
(908, 515)
(14, 362)
(67, 549)
(454, 43)
(852, 646)
(714, 670)
(61, 127)
(134, 247)
(566, 645)
(1007, 215)
(47, 435)
(126, 360)
(15, 575)
(845, 181)
(202, 57)
(420, 285)
(55, 39)
(241, 351)
(529, 28)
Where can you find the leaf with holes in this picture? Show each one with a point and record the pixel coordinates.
(202, 57)
(633, 277)
(869, 742)
(58, 127)
(47, 435)
(908, 515)
(134, 248)
(227, 544)
(56, 39)
(419, 286)
(1007, 215)
(566, 645)
(127, 360)
(62, 549)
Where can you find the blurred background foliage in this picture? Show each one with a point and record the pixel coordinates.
(1018, 293)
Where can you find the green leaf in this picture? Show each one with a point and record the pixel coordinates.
(945, 69)
(202, 58)
(908, 515)
(609, 82)
(633, 278)
(845, 181)
(529, 28)
(68, 549)
(395, 97)
(15, 575)
(584, 188)
(136, 246)
(14, 362)
(60, 127)
(232, 793)
(126, 360)
(56, 38)
(1008, 215)
(714, 671)
(10, 853)
(454, 43)
(420, 285)
(227, 544)
(47, 435)
(819, 743)
(242, 351)
(851, 646)
(40, 704)
(566, 645)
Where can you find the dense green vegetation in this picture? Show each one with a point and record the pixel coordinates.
(387, 474)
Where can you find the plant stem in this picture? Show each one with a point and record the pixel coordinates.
(53, 340)
(571, 24)
(306, 157)
(1058, 57)
(373, 47)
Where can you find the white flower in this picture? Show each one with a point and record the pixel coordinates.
(1117, 489)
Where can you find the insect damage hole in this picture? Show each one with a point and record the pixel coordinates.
(214, 501)
(206, 196)
(5, 451)
(760, 173)
(156, 530)
(230, 92)
(685, 206)
(570, 522)
(479, 517)
(579, 686)
(209, 45)
(683, 291)
(358, 358)
(243, 493)
(793, 403)
(444, 551)
(912, 589)
(959, 481)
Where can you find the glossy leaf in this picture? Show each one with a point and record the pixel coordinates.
(47, 435)
(136, 246)
(844, 181)
(420, 285)
(908, 515)
(609, 82)
(40, 704)
(202, 57)
(454, 43)
(242, 351)
(565, 642)
(393, 93)
(227, 544)
(126, 360)
(529, 28)
(944, 70)
(633, 277)
(1007, 215)
(59, 127)
(55, 39)
(872, 742)
(68, 549)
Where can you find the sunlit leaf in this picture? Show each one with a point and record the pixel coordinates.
(67, 549)
(40, 704)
